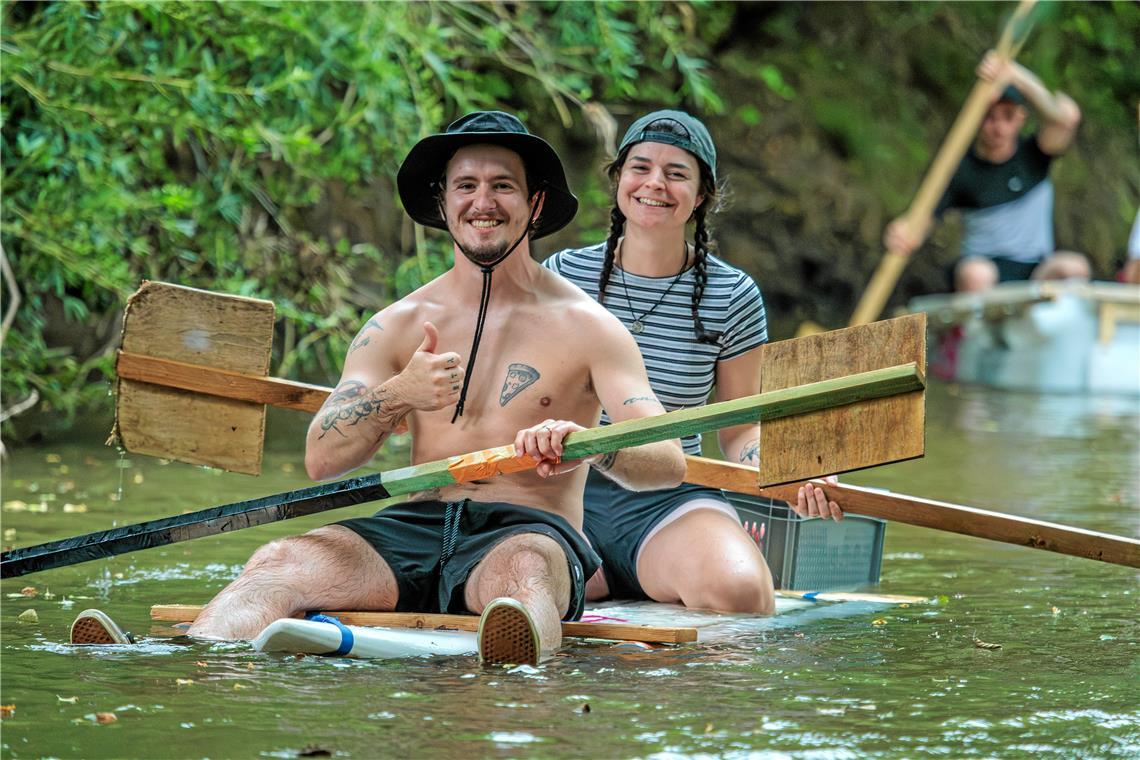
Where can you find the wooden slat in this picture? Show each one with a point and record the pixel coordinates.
(185, 613)
(285, 394)
(227, 332)
(927, 513)
(839, 440)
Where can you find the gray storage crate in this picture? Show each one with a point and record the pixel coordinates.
(813, 555)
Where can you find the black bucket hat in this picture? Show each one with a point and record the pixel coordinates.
(690, 135)
(422, 170)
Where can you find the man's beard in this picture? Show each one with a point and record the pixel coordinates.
(487, 253)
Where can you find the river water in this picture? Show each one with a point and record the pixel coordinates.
(897, 681)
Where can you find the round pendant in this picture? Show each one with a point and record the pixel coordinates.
(636, 328)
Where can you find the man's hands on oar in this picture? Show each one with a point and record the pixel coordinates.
(543, 444)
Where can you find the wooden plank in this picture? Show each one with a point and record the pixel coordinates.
(227, 332)
(444, 472)
(285, 394)
(185, 613)
(839, 440)
(927, 513)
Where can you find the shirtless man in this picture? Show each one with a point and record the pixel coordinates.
(548, 359)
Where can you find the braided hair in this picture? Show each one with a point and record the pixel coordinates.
(702, 242)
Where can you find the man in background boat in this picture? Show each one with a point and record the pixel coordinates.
(1003, 188)
(509, 547)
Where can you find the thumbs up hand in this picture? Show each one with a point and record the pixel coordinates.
(431, 381)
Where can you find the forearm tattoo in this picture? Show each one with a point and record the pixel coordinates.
(519, 378)
(635, 399)
(606, 463)
(351, 402)
(751, 451)
(362, 338)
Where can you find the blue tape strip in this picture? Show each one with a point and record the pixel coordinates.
(811, 595)
(346, 637)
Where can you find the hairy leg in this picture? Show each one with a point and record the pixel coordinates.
(327, 568)
(974, 274)
(1063, 265)
(532, 569)
(705, 559)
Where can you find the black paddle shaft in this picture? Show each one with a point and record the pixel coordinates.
(204, 522)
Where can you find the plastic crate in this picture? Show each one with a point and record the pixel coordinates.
(812, 554)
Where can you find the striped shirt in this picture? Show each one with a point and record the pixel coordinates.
(681, 370)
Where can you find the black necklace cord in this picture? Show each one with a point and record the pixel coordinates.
(484, 302)
(638, 325)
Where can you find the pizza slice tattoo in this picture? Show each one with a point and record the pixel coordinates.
(519, 378)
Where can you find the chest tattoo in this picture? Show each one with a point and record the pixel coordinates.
(519, 377)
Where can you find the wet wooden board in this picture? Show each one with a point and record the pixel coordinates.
(231, 333)
(839, 440)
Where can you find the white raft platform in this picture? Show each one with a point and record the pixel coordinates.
(1044, 337)
(292, 636)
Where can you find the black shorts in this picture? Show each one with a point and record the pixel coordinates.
(1008, 269)
(432, 546)
(618, 520)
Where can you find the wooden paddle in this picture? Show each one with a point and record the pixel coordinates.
(926, 513)
(946, 161)
(192, 387)
(458, 469)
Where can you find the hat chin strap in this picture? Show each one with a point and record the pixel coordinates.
(484, 301)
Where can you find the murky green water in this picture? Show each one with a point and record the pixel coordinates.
(894, 682)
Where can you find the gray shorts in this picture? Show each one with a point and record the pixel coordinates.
(432, 547)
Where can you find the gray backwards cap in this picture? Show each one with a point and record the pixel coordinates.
(693, 138)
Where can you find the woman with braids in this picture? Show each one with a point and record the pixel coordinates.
(699, 323)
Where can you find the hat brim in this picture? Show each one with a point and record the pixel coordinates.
(424, 166)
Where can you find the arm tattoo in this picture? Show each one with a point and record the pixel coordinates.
(350, 403)
(606, 463)
(635, 399)
(362, 339)
(750, 451)
(519, 377)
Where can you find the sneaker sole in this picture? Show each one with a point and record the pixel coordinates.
(508, 636)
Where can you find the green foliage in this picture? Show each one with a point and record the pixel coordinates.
(241, 147)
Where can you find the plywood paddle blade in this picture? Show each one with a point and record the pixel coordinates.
(837, 440)
(227, 332)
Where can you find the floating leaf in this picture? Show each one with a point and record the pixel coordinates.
(9, 534)
(74, 508)
(879, 621)
(7, 711)
(53, 459)
(184, 681)
(105, 717)
(29, 591)
(29, 616)
(68, 700)
(137, 479)
(312, 750)
(201, 663)
(15, 505)
(1056, 610)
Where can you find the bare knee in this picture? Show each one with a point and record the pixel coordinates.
(742, 591)
(975, 274)
(520, 566)
(1064, 265)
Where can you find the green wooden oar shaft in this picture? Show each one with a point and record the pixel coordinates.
(772, 405)
(320, 498)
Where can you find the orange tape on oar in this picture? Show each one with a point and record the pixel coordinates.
(488, 463)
